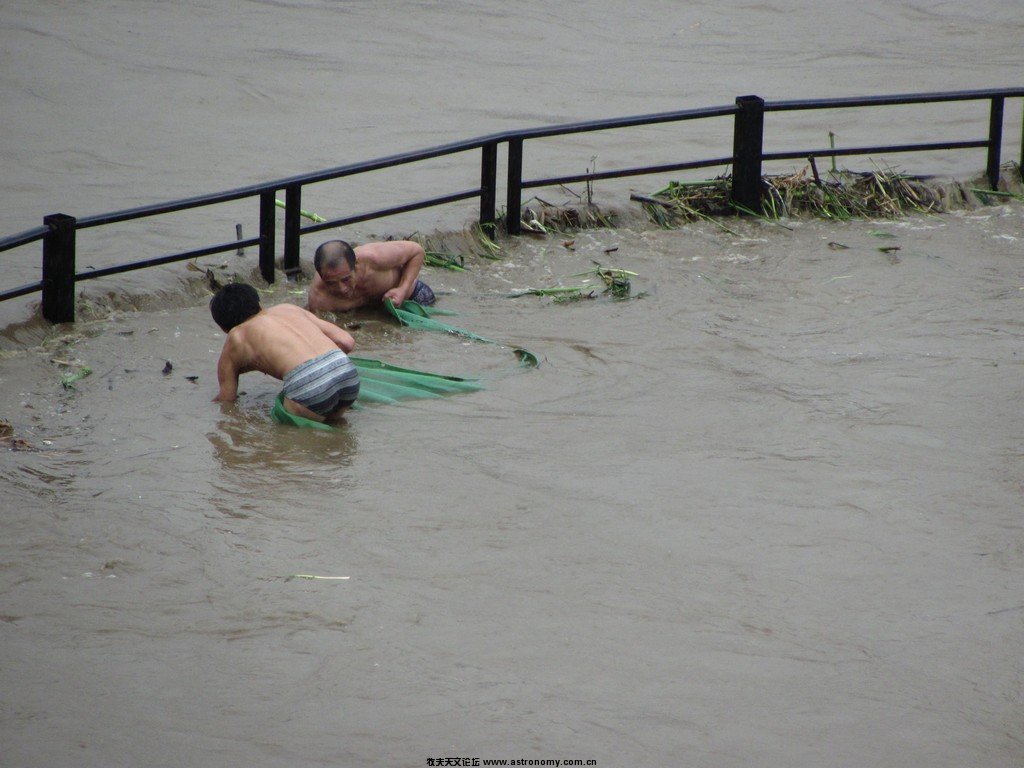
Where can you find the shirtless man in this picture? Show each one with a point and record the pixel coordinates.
(346, 279)
(288, 343)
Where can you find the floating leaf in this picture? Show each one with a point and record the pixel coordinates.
(68, 379)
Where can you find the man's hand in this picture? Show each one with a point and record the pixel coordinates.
(396, 295)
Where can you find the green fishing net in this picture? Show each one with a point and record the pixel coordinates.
(384, 383)
(415, 315)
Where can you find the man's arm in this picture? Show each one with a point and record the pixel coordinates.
(405, 255)
(338, 335)
(227, 377)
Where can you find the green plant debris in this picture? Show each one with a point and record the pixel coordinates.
(616, 281)
(558, 290)
(491, 250)
(316, 218)
(842, 195)
(68, 379)
(569, 298)
(526, 357)
(985, 193)
(680, 203)
(444, 260)
(550, 219)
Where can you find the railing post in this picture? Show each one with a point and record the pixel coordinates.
(59, 268)
(488, 184)
(292, 206)
(748, 139)
(268, 233)
(995, 141)
(514, 188)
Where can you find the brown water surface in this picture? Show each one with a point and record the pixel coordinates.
(776, 495)
(767, 511)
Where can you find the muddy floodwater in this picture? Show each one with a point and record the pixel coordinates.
(767, 512)
(764, 511)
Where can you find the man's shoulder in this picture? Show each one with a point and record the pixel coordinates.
(386, 249)
(285, 310)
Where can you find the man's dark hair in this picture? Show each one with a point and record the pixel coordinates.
(331, 254)
(234, 304)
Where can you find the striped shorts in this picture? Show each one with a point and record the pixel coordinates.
(323, 384)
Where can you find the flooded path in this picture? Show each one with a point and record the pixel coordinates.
(767, 512)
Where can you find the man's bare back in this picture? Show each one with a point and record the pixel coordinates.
(280, 338)
(288, 343)
(368, 275)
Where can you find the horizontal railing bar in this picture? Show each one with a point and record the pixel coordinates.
(23, 238)
(892, 100)
(58, 232)
(529, 133)
(13, 293)
(209, 251)
(544, 131)
(619, 122)
(597, 176)
(177, 205)
(390, 161)
(872, 150)
(402, 158)
(255, 190)
(452, 198)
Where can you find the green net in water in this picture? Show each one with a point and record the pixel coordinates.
(421, 318)
(383, 383)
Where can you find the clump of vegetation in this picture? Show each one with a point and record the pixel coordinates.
(616, 282)
(547, 219)
(883, 193)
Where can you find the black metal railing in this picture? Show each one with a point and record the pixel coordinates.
(58, 232)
